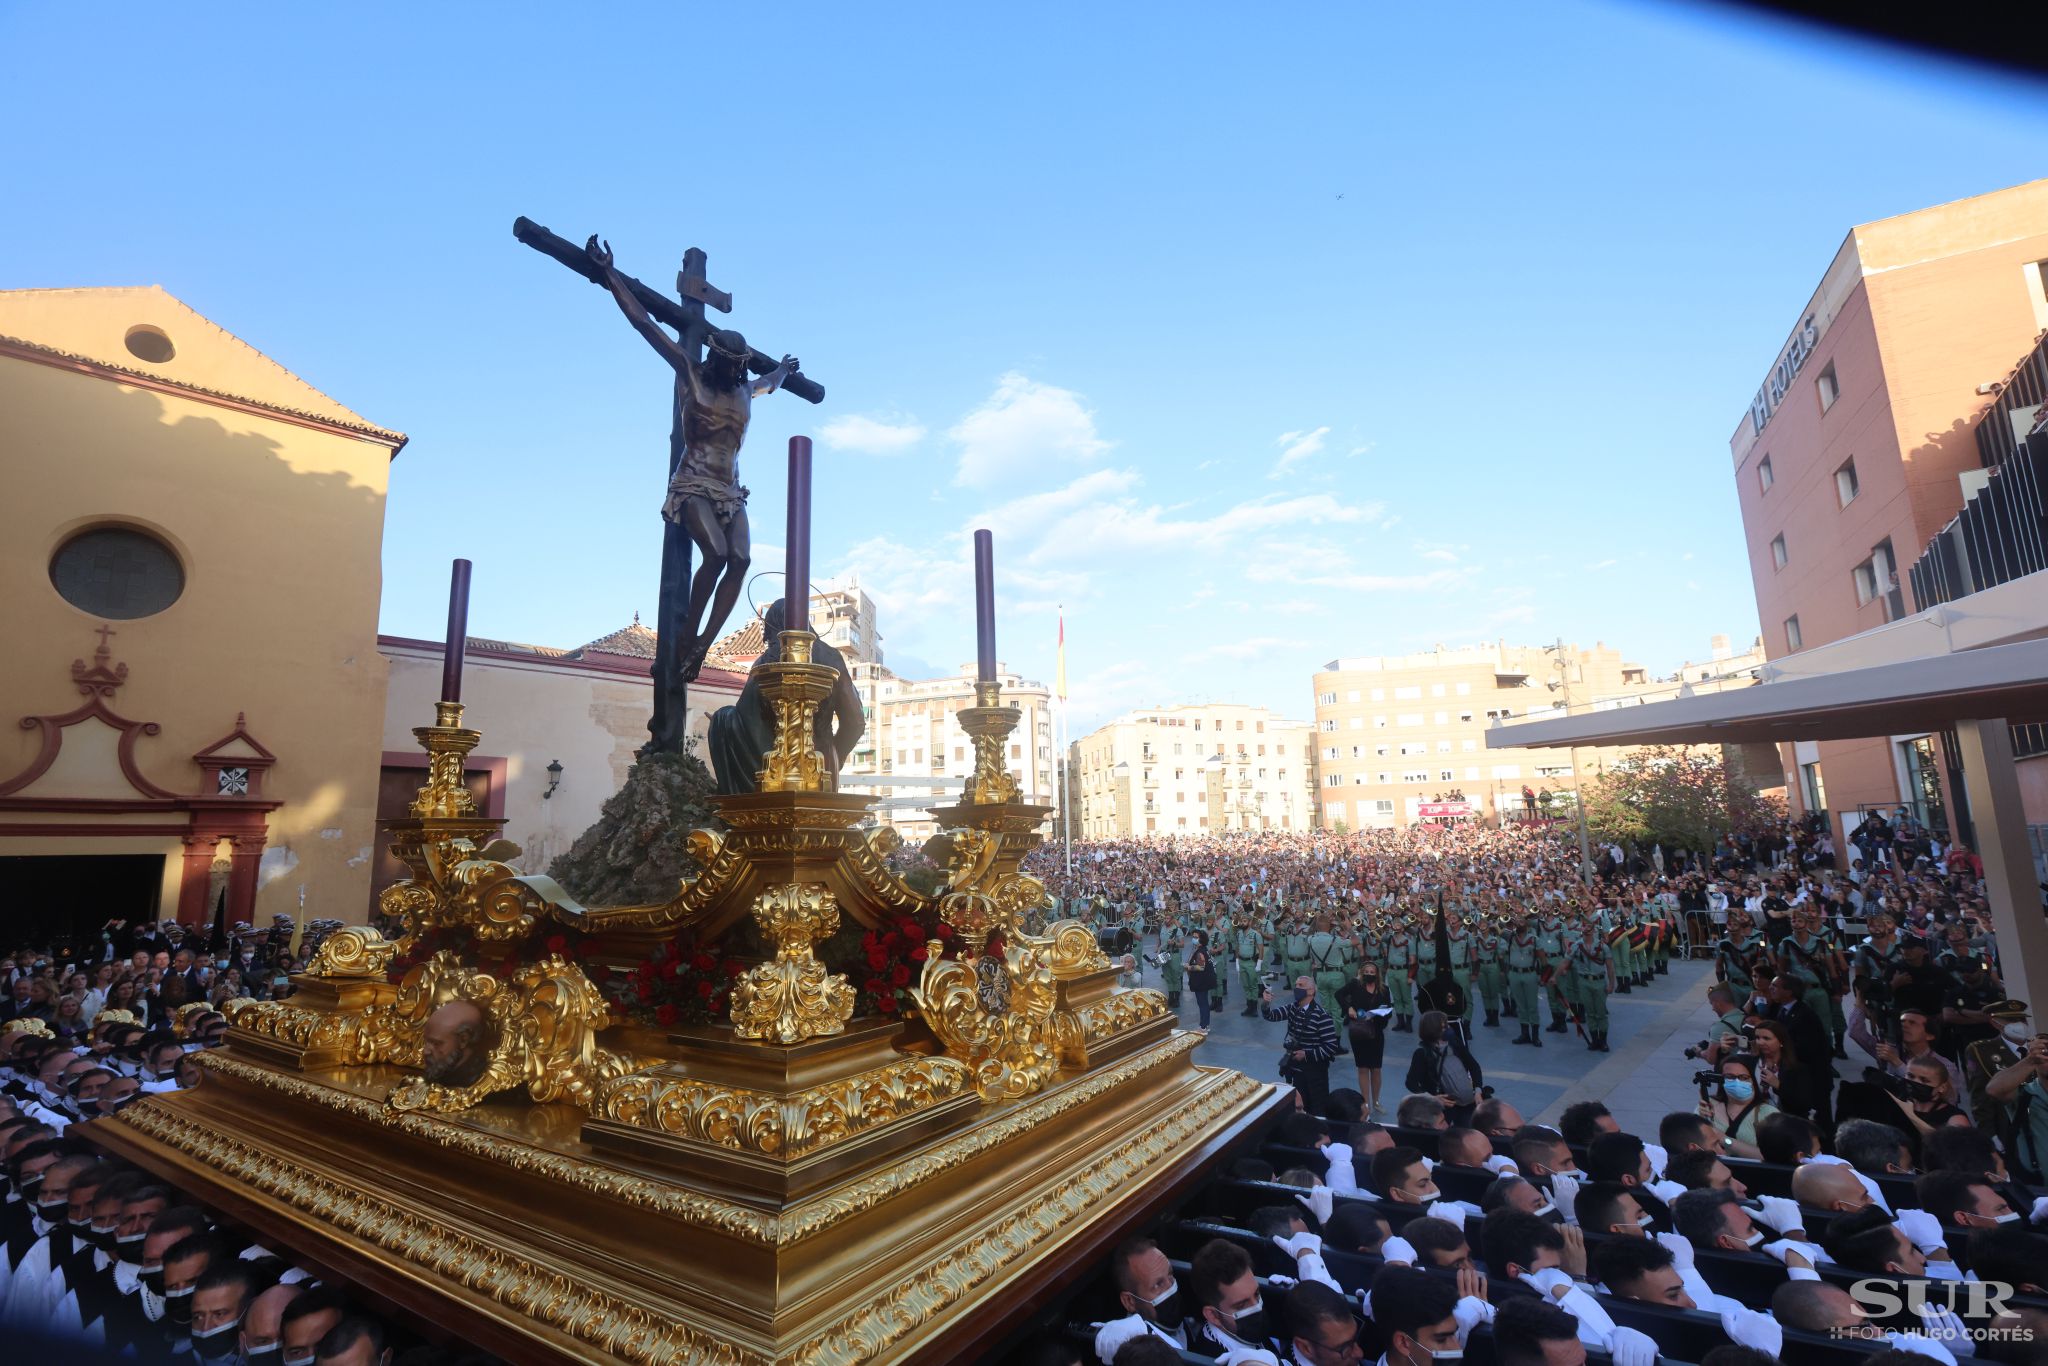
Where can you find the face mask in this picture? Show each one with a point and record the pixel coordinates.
(1428, 1194)
(2016, 1034)
(179, 1305)
(1300, 995)
(1166, 1310)
(1644, 1223)
(2005, 1218)
(1250, 1326)
(1455, 1354)
(1738, 1090)
(302, 1359)
(153, 1279)
(263, 1356)
(217, 1342)
(1755, 1239)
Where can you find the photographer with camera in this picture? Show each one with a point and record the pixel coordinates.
(1310, 1043)
(1724, 1036)
(2021, 1092)
(1731, 1101)
(1911, 1040)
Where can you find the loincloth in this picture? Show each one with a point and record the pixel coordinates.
(725, 499)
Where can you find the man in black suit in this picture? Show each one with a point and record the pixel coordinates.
(1812, 1044)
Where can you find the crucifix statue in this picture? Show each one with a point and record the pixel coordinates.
(718, 375)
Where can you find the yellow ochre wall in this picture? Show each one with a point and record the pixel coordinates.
(279, 525)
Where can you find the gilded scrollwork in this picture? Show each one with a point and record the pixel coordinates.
(1075, 950)
(354, 951)
(777, 1126)
(1015, 1038)
(792, 997)
(794, 687)
(989, 723)
(542, 1021)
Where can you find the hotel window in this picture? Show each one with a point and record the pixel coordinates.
(1330, 726)
(1778, 551)
(1408, 694)
(1350, 695)
(1385, 778)
(1443, 747)
(1792, 639)
(1326, 699)
(1471, 775)
(1379, 751)
(1357, 723)
(1384, 806)
(1763, 475)
(1827, 388)
(1464, 689)
(1846, 487)
(1471, 746)
(1337, 780)
(1409, 718)
(1436, 690)
(1446, 776)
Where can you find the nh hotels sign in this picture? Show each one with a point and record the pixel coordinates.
(1779, 382)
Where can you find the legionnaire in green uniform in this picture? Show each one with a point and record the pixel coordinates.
(1811, 955)
(1521, 963)
(1487, 949)
(1219, 939)
(1614, 918)
(1330, 965)
(1667, 929)
(1400, 956)
(1550, 952)
(1460, 942)
(1294, 949)
(1172, 968)
(1877, 959)
(1248, 946)
(1592, 974)
(1740, 948)
(1425, 954)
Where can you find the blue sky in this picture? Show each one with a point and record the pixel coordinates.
(1258, 336)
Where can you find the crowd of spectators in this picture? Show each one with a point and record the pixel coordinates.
(107, 1262)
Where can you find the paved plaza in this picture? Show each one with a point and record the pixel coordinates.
(1645, 1077)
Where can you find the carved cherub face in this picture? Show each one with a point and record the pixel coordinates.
(455, 1047)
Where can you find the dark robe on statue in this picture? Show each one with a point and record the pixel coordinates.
(743, 733)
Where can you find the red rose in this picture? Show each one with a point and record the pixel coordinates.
(874, 986)
(899, 976)
(887, 1005)
(732, 967)
(704, 962)
(717, 1004)
(919, 954)
(672, 970)
(704, 988)
(877, 959)
(558, 943)
(945, 931)
(665, 1015)
(892, 941)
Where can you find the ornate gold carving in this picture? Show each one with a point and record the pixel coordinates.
(444, 795)
(989, 723)
(628, 1188)
(543, 1021)
(27, 1025)
(873, 1330)
(1075, 950)
(1120, 1011)
(357, 951)
(107, 1017)
(630, 1331)
(1000, 1016)
(792, 997)
(776, 1126)
(795, 687)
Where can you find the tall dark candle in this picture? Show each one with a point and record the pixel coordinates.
(796, 590)
(984, 607)
(458, 632)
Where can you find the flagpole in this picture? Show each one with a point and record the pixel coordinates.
(1066, 769)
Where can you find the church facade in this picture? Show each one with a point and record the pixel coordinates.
(179, 742)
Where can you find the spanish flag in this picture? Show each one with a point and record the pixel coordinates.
(1059, 683)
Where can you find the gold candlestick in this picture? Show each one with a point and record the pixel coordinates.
(989, 723)
(447, 743)
(795, 687)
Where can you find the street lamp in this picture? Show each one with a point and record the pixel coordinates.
(554, 778)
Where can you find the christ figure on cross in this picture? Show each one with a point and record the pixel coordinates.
(713, 402)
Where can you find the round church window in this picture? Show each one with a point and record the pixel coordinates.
(117, 571)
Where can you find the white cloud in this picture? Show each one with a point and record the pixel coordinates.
(1295, 448)
(1440, 555)
(890, 435)
(1250, 647)
(1601, 564)
(1209, 464)
(1365, 449)
(1023, 426)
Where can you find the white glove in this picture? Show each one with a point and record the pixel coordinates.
(1500, 1164)
(1922, 1229)
(1398, 1249)
(1927, 1347)
(1115, 1334)
(1753, 1329)
(1342, 1173)
(1940, 1324)
(1564, 1193)
(2040, 1211)
(1429, 1164)
(1667, 1191)
(1320, 1201)
(1297, 1244)
(1680, 1248)
(1450, 1211)
(1471, 1311)
(1630, 1348)
(1658, 1157)
(1783, 1250)
(1777, 1213)
(1943, 1269)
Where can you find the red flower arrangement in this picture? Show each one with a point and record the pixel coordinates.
(686, 983)
(893, 957)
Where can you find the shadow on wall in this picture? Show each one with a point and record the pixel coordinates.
(265, 548)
